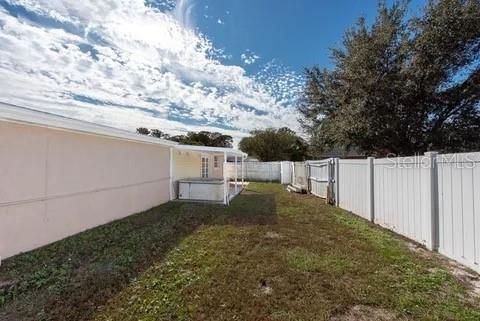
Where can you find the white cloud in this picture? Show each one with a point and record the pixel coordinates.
(183, 13)
(220, 22)
(249, 57)
(124, 64)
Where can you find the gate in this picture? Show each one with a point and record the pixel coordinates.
(286, 172)
(299, 175)
(321, 178)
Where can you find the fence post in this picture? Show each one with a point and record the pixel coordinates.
(432, 183)
(337, 180)
(370, 189)
(307, 176)
(293, 173)
(281, 172)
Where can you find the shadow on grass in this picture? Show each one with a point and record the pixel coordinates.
(69, 279)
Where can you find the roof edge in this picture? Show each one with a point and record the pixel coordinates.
(24, 115)
(209, 149)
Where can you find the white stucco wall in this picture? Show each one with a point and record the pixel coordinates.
(55, 183)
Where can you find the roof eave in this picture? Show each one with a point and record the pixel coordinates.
(209, 149)
(22, 115)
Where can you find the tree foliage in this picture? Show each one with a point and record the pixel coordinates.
(400, 85)
(205, 138)
(202, 138)
(143, 131)
(275, 145)
(159, 134)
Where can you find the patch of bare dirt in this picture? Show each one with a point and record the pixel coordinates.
(273, 235)
(419, 250)
(469, 279)
(366, 313)
(4, 284)
(264, 288)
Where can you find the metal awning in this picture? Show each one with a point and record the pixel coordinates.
(215, 150)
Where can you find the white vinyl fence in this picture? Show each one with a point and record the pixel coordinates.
(286, 172)
(257, 171)
(459, 207)
(403, 197)
(353, 186)
(432, 199)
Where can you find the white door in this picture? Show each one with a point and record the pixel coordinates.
(204, 169)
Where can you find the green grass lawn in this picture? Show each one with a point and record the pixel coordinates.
(271, 255)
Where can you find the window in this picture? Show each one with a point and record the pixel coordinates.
(215, 161)
(204, 167)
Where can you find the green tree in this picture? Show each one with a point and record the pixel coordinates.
(275, 145)
(401, 85)
(205, 138)
(202, 138)
(143, 131)
(159, 134)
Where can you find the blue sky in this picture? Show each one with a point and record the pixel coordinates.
(229, 66)
(295, 33)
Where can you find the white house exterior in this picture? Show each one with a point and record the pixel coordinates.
(199, 173)
(60, 176)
